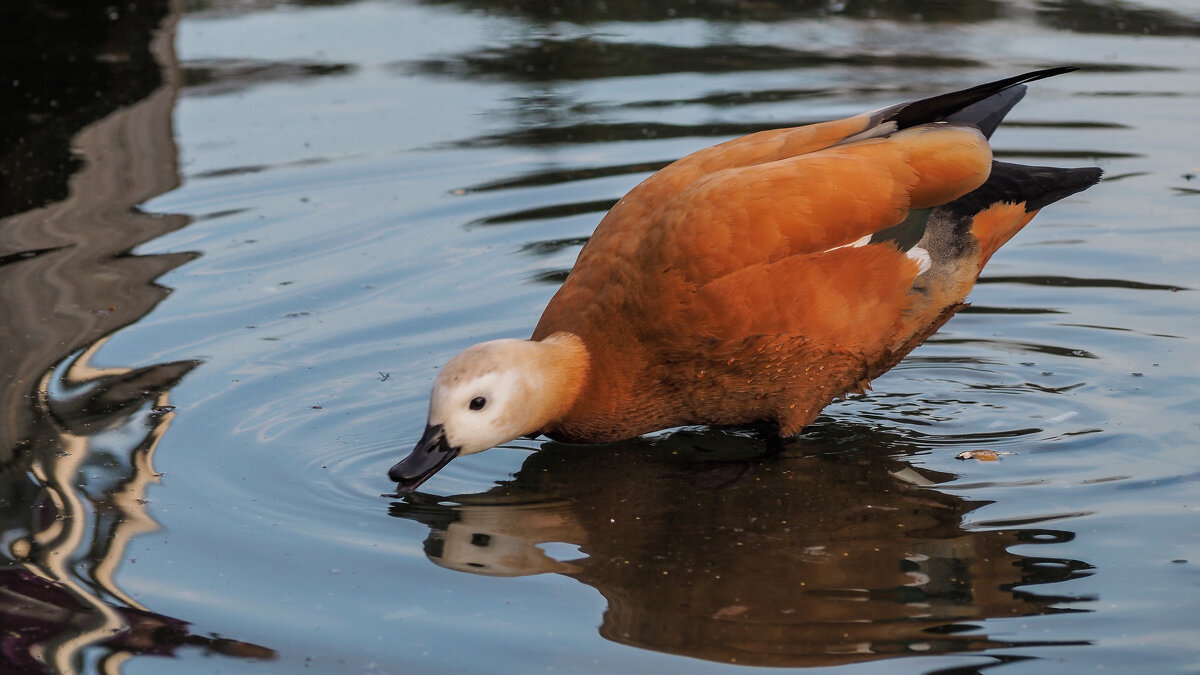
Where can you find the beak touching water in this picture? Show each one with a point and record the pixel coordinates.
(431, 454)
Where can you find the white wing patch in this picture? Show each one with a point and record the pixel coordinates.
(916, 253)
(874, 132)
(861, 241)
(921, 257)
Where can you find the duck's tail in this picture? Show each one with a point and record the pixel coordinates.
(958, 238)
(953, 242)
(1010, 197)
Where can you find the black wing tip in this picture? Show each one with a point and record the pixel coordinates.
(1065, 182)
(973, 105)
(986, 115)
(1034, 186)
(1034, 75)
(996, 86)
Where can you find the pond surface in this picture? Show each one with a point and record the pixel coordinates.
(238, 240)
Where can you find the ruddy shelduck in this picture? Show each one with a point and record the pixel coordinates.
(755, 281)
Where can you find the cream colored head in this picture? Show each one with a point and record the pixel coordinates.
(489, 394)
(492, 393)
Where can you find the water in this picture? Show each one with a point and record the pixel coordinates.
(222, 317)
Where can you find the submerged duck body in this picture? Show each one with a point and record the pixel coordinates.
(755, 281)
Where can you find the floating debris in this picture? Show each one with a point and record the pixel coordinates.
(982, 455)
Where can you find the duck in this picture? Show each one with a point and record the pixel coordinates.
(754, 282)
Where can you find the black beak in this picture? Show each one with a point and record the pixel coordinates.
(432, 453)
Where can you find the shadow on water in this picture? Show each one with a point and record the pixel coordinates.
(834, 550)
(77, 440)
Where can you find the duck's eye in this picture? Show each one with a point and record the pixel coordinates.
(477, 403)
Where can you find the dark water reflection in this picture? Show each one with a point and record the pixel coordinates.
(834, 550)
(63, 67)
(78, 439)
(1116, 18)
(584, 12)
(1085, 16)
(545, 60)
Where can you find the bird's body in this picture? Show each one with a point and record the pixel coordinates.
(756, 281)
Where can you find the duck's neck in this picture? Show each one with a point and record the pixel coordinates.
(564, 364)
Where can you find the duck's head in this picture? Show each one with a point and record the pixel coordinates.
(490, 394)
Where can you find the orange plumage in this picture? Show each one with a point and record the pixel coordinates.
(756, 280)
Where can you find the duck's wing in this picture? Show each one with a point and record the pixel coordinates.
(827, 323)
(745, 250)
(982, 107)
(780, 193)
(882, 297)
(810, 203)
(866, 189)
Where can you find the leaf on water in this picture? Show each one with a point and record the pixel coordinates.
(982, 455)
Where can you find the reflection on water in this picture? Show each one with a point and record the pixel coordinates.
(587, 58)
(1089, 16)
(77, 440)
(1086, 16)
(584, 11)
(833, 550)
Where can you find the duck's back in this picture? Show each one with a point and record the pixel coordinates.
(759, 279)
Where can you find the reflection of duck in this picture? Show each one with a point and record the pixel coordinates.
(813, 556)
(755, 281)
